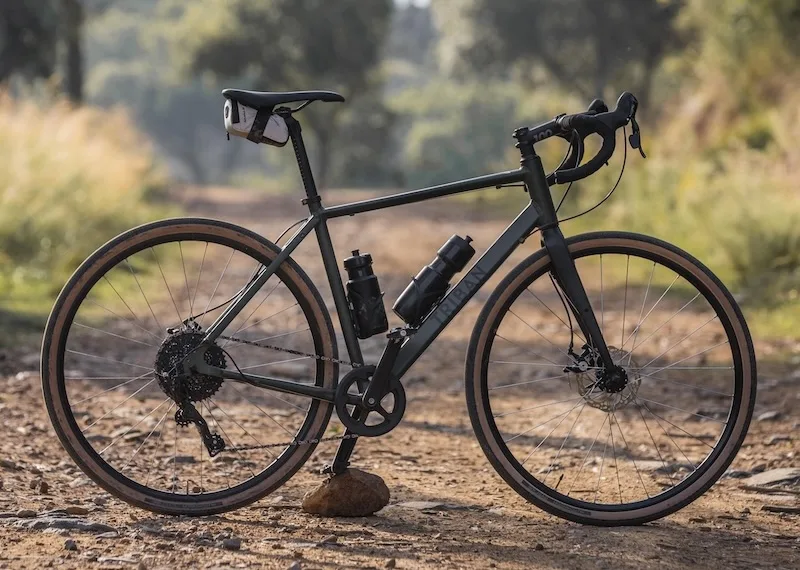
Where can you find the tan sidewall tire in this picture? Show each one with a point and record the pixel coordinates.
(493, 446)
(52, 360)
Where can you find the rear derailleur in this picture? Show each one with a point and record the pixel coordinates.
(184, 386)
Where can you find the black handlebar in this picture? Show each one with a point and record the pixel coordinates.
(575, 128)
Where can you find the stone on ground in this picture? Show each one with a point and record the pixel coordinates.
(354, 493)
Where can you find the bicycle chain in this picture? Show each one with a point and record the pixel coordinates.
(293, 443)
(291, 351)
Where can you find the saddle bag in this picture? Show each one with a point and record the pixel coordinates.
(259, 126)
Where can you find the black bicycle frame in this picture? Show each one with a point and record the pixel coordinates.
(539, 213)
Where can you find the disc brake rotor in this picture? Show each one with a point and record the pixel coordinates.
(590, 386)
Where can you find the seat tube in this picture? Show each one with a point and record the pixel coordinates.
(296, 134)
(564, 270)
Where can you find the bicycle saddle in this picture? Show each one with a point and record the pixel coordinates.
(269, 99)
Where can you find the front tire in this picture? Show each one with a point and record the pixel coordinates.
(517, 377)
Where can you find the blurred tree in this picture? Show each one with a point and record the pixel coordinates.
(72, 18)
(290, 44)
(584, 45)
(28, 38)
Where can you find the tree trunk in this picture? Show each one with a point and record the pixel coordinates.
(73, 24)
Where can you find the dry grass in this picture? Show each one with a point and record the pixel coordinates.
(70, 179)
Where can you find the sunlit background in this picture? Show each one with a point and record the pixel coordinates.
(108, 105)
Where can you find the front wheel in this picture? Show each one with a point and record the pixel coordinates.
(117, 335)
(596, 451)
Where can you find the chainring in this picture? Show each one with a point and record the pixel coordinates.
(358, 419)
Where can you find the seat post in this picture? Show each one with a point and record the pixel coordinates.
(296, 134)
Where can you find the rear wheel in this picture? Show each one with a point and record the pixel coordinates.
(124, 320)
(609, 449)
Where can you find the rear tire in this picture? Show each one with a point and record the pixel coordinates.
(62, 393)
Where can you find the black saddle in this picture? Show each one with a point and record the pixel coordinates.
(269, 99)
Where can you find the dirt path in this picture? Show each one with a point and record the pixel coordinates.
(448, 507)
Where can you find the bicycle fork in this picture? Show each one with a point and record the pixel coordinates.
(566, 276)
(564, 271)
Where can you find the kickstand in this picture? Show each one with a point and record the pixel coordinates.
(342, 458)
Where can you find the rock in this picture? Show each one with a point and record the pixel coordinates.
(26, 513)
(40, 486)
(70, 544)
(330, 539)
(10, 465)
(40, 523)
(391, 563)
(99, 500)
(76, 510)
(774, 476)
(354, 493)
(769, 416)
(233, 543)
(539, 546)
(736, 474)
(421, 505)
(781, 509)
(777, 438)
(295, 566)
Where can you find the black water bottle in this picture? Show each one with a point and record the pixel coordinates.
(365, 296)
(430, 284)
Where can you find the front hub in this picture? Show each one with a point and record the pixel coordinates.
(605, 389)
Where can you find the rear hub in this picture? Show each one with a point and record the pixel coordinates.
(178, 383)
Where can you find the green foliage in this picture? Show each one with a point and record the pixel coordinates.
(69, 180)
(28, 38)
(290, 44)
(584, 45)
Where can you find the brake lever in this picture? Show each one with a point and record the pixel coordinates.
(635, 139)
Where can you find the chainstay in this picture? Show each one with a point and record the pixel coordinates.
(290, 351)
(294, 443)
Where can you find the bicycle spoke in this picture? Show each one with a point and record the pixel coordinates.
(662, 325)
(108, 359)
(536, 407)
(625, 441)
(146, 439)
(185, 279)
(216, 287)
(129, 381)
(197, 283)
(133, 426)
(564, 352)
(527, 382)
(710, 391)
(139, 285)
(85, 431)
(222, 429)
(137, 325)
(682, 359)
(169, 291)
(588, 452)
(682, 410)
(546, 306)
(77, 324)
(638, 326)
(625, 301)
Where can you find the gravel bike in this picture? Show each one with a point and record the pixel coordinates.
(610, 377)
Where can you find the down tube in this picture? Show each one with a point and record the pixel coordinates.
(459, 295)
